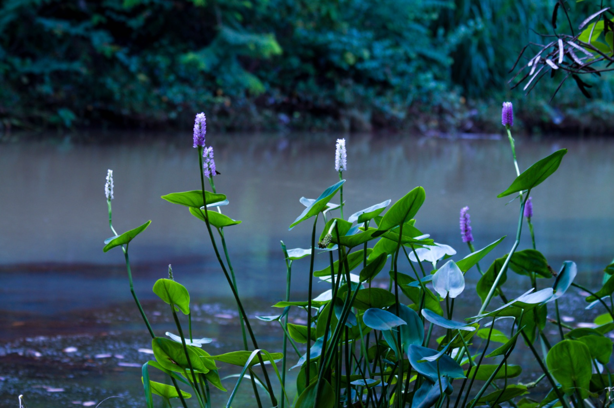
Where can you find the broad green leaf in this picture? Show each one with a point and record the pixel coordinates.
(600, 347)
(447, 366)
(606, 290)
(603, 319)
(299, 333)
(508, 393)
(319, 204)
(166, 391)
(485, 371)
(449, 280)
(353, 260)
(214, 378)
(379, 319)
(565, 278)
(369, 382)
(428, 393)
(240, 358)
(413, 331)
(173, 293)
(488, 279)
(473, 258)
(124, 238)
(373, 297)
(529, 260)
(171, 356)
(600, 383)
(445, 323)
(323, 322)
(355, 237)
(536, 174)
(193, 342)
(403, 210)
(496, 335)
(215, 218)
(300, 303)
(373, 268)
(326, 398)
(454, 339)
(369, 213)
(609, 269)
(194, 198)
(569, 361)
(332, 226)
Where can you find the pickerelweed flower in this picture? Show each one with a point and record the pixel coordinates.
(528, 208)
(507, 114)
(465, 225)
(108, 186)
(200, 130)
(208, 162)
(341, 156)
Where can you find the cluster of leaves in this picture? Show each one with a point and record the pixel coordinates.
(371, 346)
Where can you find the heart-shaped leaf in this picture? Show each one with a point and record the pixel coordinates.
(194, 198)
(319, 204)
(473, 258)
(565, 278)
(445, 323)
(536, 174)
(379, 319)
(569, 361)
(367, 214)
(215, 218)
(449, 280)
(124, 238)
(403, 210)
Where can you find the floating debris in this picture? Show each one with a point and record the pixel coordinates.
(103, 356)
(70, 350)
(146, 351)
(129, 365)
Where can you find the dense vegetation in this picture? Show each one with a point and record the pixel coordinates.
(266, 64)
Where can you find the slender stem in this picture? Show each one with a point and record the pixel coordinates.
(136, 299)
(512, 144)
(597, 297)
(532, 231)
(558, 319)
(285, 345)
(179, 392)
(507, 260)
(341, 193)
(229, 280)
(309, 300)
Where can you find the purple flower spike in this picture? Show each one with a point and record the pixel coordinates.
(528, 208)
(200, 130)
(208, 162)
(507, 114)
(465, 225)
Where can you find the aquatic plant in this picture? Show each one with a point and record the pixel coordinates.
(368, 345)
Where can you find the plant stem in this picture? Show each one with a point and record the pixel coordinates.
(507, 260)
(285, 345)
(136, 299)
(309, 296)
(229, 280)
(513, 146)
(341, 193)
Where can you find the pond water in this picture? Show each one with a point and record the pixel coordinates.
(60, 292)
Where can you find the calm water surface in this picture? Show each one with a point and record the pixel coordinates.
(59, 289)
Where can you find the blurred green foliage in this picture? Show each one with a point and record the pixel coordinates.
(263, 64)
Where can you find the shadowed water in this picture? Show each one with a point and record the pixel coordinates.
(60, 290)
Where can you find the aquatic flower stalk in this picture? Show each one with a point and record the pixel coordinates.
(507, 119)
(465, 225)
(200, 130)
(341, 164)
(108, 186)
(507, 114)
(209, 162)
(341, 156)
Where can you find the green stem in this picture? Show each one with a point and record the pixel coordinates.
(310, 290)
(532, 232)
(513, 146)
(507, 260)
(597, 297)
(229, 280)
(136, 299)
(341, 194)
(285, 344)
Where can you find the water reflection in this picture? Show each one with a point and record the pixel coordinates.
(55, 274)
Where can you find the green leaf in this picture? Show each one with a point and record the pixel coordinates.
(606, 290)
(214, 378)
(173, 293)
(124, 238)
(484, 371)
(603, 319)
(369, 213)
(299, 333)
(598, 345)
(165, 391)
(488, 279)
(473, 258)
(240, 358)
(501, 350)
(449, 280)
(529, 260)
(171, 356)
(215, 218)
(536, 174)
(373, 268)
(298, 253)
(373, 297)
(447, 366)
(319, 204)
(445, 323)
(326, 398)
(508, 393)
(569, 361)
(379, 319)
(146, 385)
(428, 393)
(496, 335)
(565, 278)
(193, 198)
(403, 210)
